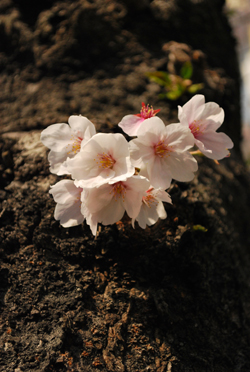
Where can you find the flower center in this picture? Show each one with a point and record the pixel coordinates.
(76, 146)
(119, 190)
(196, 128)
(147, 112)
(161, 150)
(105, 161)
(149, 199)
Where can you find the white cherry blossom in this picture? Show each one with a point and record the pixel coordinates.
(68, 199)
(203, 119)
(161, 152)
(65, 141)
(131, 123)
(104, 158)
(152, 207)
(108, 203)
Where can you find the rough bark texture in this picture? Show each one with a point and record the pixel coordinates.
(168, 298)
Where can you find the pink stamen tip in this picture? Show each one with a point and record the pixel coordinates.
(147, 112)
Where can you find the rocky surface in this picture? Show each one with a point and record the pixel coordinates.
(173, 297)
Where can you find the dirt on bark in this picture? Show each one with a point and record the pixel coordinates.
(173, 297)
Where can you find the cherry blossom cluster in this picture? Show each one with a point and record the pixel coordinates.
(108, 175)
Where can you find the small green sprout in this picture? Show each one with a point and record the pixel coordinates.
(175, 85)
(199, 228)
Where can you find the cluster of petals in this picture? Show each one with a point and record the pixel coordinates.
(111, 176)
(66, 140)
(130, 124)
(161, 152)
(203, 120)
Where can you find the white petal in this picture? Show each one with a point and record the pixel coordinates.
(57, 137)
(149, 215)
(112, 213)
(182, 166)
(152, 125)
(160, 175)
(213, 112)
(124, 167)
(69, 215)
(65, 192)
(179, 137)
(56, 160)
(83, 165)
(130, 124)
(161, 195)
(161, 212)
(97, 198)
(133, 200)
(214, 145)
(91, 219)
(82, 126)
(140, 153)
(192, 109)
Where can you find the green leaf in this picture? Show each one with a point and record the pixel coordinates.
(199, 228)
(195, 88)
(186, 70)
(173, 95)
(159, 77)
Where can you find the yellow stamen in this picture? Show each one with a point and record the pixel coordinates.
(119, 190)
(105, 161)
(161, 149)
(149, 200)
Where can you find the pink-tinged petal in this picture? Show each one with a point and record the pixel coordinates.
(65, 192)
(141, 218)
(207, 125)
(150, 215)
(160, 175)
(112, 213)
(91, 219)
(162, 195)
(137, 183)
(152, 207)
(140, 152)
(70, 215)
(179, 137)
(182, 166)
(160, 210)
(97, 198)
(136, 187)
(214, 145)
(108, 142)
(154, 126)
(104, 158)
(100, 179)
(82, 126)
(119, 147)
(212, 111)
(56, 160)
(182, 117)
(68, 208)
(130, 124)
(192, 109)
(57, 137)
(124, 168)
(82, 166)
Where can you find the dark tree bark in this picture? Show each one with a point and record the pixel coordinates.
(173, 297)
